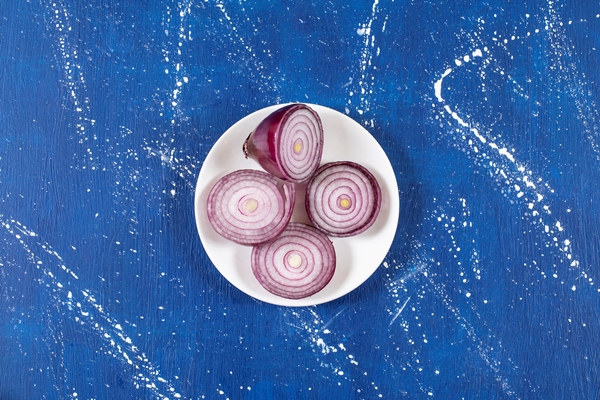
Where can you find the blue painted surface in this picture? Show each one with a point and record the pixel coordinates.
(488, 112)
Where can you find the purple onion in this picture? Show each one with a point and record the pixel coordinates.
(298, 263)
(343, 199)
(288, 143)
(250, 207)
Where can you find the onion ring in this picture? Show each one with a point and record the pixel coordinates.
(343, 199)
(250, 207)
(298, 263)
(288, 143)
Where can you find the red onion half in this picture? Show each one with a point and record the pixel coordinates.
(298, 263)
(343, 199)
(250, 207)
(288, 143)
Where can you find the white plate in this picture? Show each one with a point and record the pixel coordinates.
(357, 256)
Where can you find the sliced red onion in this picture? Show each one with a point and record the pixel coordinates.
(298, 263)
(250, 207)
(343, 199)
(288, 143)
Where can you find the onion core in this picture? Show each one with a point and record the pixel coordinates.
(288, 143)
(298, 263)
(343, 199)
(250, 207)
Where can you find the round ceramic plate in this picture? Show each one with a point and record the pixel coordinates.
(357, 256)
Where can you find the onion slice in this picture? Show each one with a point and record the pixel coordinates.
(298, 263)
(250, 207)
(288, 143)
(343, 199)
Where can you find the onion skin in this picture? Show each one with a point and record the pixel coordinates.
(272, 143)
(299, 263)
(343, 199)
(250, 207)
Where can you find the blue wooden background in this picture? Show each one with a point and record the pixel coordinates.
(487, 110)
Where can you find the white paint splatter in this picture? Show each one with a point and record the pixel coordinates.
(366, 79)
(86, 311)
(173, 55)
(419, 272)
(566, 75)
(509, 171)
(59, 25)
(399, 311)
(330, 356)
(244, 53)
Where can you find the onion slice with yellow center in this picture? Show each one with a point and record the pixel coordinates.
(250, 207)
(298, 263)
(288, 143)
(343, 199)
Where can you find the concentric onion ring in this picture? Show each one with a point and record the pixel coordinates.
(343, 199)
(250, 207)
(288, 143)
(298, 263)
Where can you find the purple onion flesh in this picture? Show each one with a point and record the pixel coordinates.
(343, 199)
(250, 207)
(298, 263)
(288, 143)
